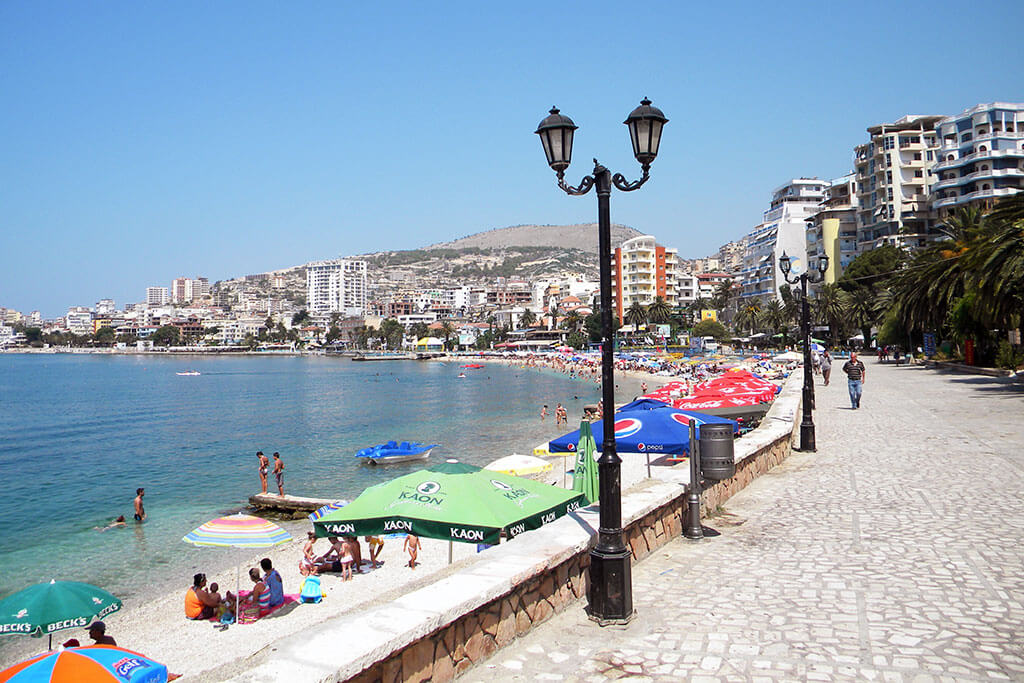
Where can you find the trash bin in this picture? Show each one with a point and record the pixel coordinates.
(717, 452)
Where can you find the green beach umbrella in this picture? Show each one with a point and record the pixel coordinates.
(584, 474)
(451, 502)
(46, 608)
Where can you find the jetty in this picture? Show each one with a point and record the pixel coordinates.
(392, 356)
(300, 505)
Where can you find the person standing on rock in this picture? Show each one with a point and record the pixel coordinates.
(856, 373)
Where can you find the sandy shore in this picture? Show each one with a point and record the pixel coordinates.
(204, 651)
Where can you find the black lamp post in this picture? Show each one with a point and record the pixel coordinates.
(807, 423)
(610, 594)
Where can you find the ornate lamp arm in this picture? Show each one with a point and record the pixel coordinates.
(582, 188)
(627, 186)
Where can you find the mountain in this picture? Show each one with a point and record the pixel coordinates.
(558, 236)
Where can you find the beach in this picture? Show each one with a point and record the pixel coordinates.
(152, 621)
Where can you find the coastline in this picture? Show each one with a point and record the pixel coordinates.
(155, 625)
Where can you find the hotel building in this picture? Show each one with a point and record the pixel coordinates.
(784, 229)
(642, 270)
(833, 230)
(980, 157)
(893, 176)
(337, 285)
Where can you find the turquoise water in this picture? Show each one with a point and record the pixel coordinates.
(79, 433)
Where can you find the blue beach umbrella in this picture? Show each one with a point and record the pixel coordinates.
(646, 426)
(324, 509)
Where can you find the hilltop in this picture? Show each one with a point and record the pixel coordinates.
(581, 236)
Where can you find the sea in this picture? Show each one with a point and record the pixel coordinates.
(80, 432)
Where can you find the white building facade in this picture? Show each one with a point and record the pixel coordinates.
(783, 230)
(338, 285)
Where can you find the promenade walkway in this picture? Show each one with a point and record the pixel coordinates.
(894, 553)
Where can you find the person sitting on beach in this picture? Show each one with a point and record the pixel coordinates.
(351, 544)
(273, 580)
(259, 597)
(223, 604)
(199, 602)
(307, 565)
(98, 633)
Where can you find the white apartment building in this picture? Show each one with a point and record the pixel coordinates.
(79, 320)
(181, 290)
(783, 230)
(105, 307)
(894, 179)
(336, 285)
(980, 157)
(643, 270)
(157, 296)
(833, 230)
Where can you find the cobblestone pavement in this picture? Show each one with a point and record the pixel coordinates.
(894, 553)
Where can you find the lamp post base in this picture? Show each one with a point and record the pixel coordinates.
(610, 600)
(693, 529)
(807, 444)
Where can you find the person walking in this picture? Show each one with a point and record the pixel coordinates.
(826, 365)
(856, 373)
(279, 472)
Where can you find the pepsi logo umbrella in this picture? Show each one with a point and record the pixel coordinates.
(646, 426)
(93, 664)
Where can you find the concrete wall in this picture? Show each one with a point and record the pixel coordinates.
(444, 629)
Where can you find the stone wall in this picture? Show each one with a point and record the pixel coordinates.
(442, 630)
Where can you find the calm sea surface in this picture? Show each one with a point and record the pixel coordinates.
(79, 433)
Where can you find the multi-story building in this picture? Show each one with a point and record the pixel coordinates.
(783, 230)
(708, 283)
(336, 285)
(105, 307)
(730, 256)
(642, 270)
(181, 290)
(893, 175)
(833, 230)
(157, 296)
(79, 320)
(981, 157)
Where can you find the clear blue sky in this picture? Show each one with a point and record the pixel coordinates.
(144, 141)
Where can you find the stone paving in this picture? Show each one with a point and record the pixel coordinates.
(895, 553)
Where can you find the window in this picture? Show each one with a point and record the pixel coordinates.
(889, 195)
(917, 156)
(918, 174)
(931, 155)
(889, 142)
(966, 137)
(888, 177)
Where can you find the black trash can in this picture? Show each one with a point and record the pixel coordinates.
(717, 453)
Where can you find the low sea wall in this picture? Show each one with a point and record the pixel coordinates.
(443, 629)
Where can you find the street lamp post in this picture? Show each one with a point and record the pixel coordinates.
(807, 443)
(610, 592)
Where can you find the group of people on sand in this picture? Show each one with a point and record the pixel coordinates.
(264, 468)
(345, 555)
(204, 601)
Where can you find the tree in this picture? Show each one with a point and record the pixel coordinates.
(553, 312)
(528, 318)
(636, 315)
(167, 335)
(392, 332)
(104, 336)
(419, 330)
(33, 335)
(659, 311)
(872, 268)
(749, 316)
(711, 328)
(447, 329)
(300, 317)
(723, 292)
(771, 317)
(572, 321)
(831, 307)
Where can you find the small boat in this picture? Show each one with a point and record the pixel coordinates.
(472, 366)
(462, 375)
(392, 452)
(188, 373)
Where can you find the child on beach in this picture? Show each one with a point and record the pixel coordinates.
(412, 545)
(543, 412)
(307, 565)
(376, 545)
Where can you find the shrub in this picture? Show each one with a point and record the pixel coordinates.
(1008, 356)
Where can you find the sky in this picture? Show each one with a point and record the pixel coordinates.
(140, 142)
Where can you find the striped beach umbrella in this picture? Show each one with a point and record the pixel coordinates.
(238, 531)
(93, 664)
(324, 509)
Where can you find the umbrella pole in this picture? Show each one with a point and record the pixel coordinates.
(648, 465)
(51, 642)
(449, 552)
(564, 467)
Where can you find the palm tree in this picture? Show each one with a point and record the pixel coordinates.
(830, 307)
(636, 315)
(572, 321)
(771, 317)
(659, 311)
(528, 318)
(447, 329)
(748, 316)
(863, 310)
(553, 312)
(722, 295)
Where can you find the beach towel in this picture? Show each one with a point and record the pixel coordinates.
(289, 598)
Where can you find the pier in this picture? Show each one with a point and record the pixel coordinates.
(297, 506)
